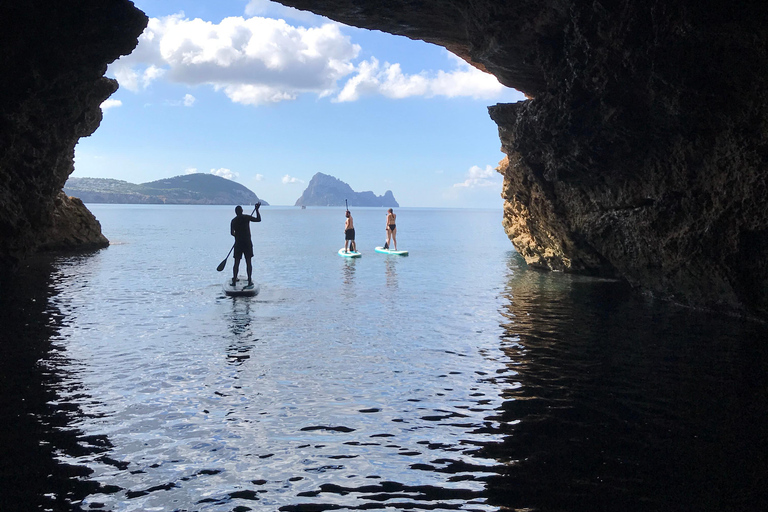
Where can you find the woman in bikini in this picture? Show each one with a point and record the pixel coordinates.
(391, 229)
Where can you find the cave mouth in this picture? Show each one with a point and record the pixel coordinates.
(642, 154)
(371, 108)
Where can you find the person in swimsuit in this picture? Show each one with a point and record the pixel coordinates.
(240, 228)
(349, 234)
(391, 229)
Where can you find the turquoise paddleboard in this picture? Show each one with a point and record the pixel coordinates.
(350, 254)
(391, 251)
(241, 288)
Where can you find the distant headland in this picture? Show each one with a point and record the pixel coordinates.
(198, 188)
(325, 190)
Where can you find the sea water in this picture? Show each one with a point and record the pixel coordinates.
(455, 378)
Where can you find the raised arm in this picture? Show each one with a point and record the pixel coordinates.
(258, 213)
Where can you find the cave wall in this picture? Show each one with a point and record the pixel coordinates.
(54, 56)
(642, 151)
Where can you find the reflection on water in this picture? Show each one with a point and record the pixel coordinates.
(615, 403)
(242, 342)
(37, 417)
(348, 277)
(391, 273)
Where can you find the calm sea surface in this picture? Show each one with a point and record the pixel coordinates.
(452, 379)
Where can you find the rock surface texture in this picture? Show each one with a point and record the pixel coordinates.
(54, 55)
(642, 151)
(72, 227)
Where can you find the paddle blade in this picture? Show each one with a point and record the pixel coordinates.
(222, 264)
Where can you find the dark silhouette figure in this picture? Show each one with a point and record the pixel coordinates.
(240, 227)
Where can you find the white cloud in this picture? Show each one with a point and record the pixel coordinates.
(290, 179)
(390, 81)
(190, 170)
(187, 101)
(225, 173)
(479, 177)
(110, 103)
(135, 79)
(258, 60)
(254, 60)
(259, 177)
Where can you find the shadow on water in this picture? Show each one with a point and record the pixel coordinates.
(36, 412)
(614, 402)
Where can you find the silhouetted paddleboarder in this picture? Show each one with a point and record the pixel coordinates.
(240, 227)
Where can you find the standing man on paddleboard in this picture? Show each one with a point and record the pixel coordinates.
(240, 227)
(349, 233)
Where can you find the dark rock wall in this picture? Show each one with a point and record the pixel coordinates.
(642, 153)
(54, 55)
(648, 160)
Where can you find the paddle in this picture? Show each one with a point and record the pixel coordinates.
(224, 261)
(346, 205)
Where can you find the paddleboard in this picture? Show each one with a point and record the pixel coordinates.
(350, 254)
(240, 289)
(391, 251)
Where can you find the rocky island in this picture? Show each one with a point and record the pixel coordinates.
(197, 188)
(325, 190)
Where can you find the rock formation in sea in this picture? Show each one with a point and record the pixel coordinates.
(197, 188)
(72, 227)
(641, 153)
(325, 190)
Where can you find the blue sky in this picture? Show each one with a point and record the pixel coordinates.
(268, 96)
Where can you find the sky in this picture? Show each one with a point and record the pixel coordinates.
(268, 96)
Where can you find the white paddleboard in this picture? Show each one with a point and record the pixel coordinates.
(350, 254)
(241, 288)
(391, 251)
